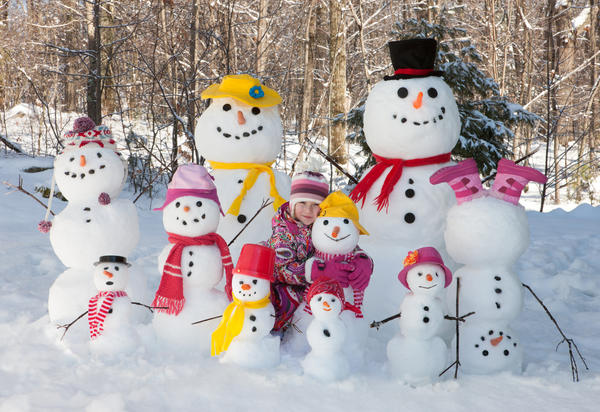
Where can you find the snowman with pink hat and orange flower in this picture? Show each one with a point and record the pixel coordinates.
(417, 354)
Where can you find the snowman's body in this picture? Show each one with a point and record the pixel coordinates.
(201, 271)
(86, 229)
(117, 334)
(407, 119)
(254, 347)
(487, 236)
(326, 335)
(232, 132)
(417, 354)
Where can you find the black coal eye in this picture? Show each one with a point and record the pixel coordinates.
(255, 281)
(198, 203)
(432, 92)
(319, 299)
(106, 268)
(71, 159)
(346, 221)
(402, 92)
(436, 275)
(255, 110)
(116, 268)
(332, 300)
(325, 222)
(491, 332)
(485, 353)
(177, 204)
(226, 107)
(241, 282)
(420, 274)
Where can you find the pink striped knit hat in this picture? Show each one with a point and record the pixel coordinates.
(308, 187)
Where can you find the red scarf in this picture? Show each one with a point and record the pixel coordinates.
(397, 165)
(170, 290)
(96, 315)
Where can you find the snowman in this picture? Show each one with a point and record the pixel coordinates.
(193, 262)
(417, 354)
(244, 331)
(90, 173)
(411, 124)
(240, 134)
(486, 232)
(109, 311)
(326, 333)
(335, 235)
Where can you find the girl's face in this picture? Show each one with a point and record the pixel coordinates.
(306, 212)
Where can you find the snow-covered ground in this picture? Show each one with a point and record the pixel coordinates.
(39, 372)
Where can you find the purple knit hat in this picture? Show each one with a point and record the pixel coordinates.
(308, 187)
(191, 180)
(420, 256)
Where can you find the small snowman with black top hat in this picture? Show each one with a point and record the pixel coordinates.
(244, 331)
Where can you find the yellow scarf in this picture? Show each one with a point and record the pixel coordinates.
(255, 170)
(232, 323)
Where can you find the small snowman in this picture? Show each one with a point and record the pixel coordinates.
(244, 331)
(240, 134)
(193, 262)
(335, 235)
(487, 232)
(326, 334)
(90, 172)
(417, 354)
(411, 124)
(109, 311)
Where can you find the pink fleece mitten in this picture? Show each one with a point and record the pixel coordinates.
(337, 271)
(360, 277)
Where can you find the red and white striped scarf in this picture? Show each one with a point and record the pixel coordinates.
(358, 295)
(97, 314)
(170, 290)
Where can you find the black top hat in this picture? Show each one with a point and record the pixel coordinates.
(112, 259)
(413, 58)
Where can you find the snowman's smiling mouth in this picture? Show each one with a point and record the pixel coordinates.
(435, 119)
(239, 135)
(428, 287)
(336, 240)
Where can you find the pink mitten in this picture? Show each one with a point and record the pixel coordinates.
(104, 198)
(360, 277)
(44, 226)
(337, 271)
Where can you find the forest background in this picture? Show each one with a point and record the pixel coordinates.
(524, 72)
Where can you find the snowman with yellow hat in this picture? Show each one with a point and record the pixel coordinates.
(240, 135)
(335, 236)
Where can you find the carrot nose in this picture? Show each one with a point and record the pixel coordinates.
(496, 341)
(419, 102)
(107, 273)
(336, 231)
(245, 286)
(241, 118)
(186, 208)
(82, 160)
(326, 304)
(429, 277)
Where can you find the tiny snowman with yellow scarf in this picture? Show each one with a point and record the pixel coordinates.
(240, 134)
(244, 331)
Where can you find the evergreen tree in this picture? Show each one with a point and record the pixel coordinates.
(487, 118)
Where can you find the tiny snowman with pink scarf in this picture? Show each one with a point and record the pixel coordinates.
(193, 263)
(417, 354)
(326, 334)
(486, 232)
(335, 236)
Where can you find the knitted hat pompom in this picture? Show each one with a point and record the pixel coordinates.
(83, 124)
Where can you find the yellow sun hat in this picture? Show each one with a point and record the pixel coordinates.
(338, 204)
(244, 88)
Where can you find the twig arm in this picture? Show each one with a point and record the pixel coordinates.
(377, 324)
(68, 325)
(206, 320)
(149, 307)
(20, 188)
(265, 203)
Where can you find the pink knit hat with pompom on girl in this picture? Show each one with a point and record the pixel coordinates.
(308, 187)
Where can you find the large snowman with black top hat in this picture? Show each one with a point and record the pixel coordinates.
(240, 135)
(411, 124)
(90, 172)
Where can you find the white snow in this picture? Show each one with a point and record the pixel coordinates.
(39, 372)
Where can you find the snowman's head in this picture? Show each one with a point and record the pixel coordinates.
(111, 275)
(490, 348)
(249, 288)
(191, 216)
(326, 306)
(334, 235)
(426, 279)
(83, 173)
(231, 131)
(411, 118)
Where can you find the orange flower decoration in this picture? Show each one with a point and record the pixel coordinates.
(411, 258)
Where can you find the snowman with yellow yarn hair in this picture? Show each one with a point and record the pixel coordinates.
(240, 135)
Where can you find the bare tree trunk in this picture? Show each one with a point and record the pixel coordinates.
(593, 137)
(192, 93)
(337, 84)
(261, 36)
(493, 42)
(4, 4)
(94, 83)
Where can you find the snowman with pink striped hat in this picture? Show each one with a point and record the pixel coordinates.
(486, 232)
